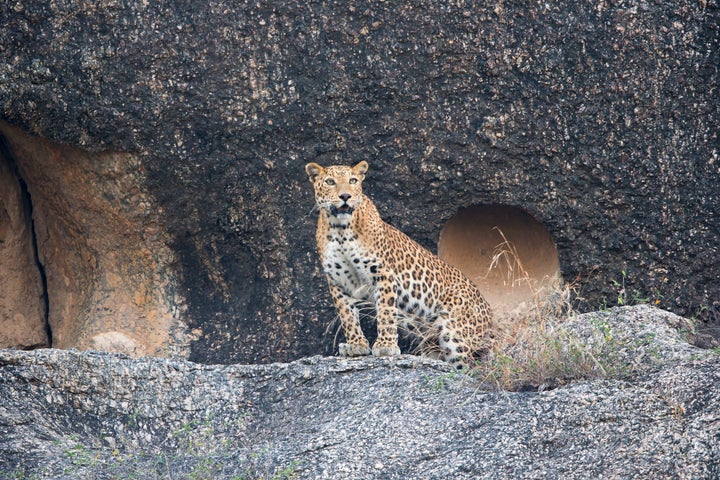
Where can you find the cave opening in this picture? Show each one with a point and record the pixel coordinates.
(508, 254)
(24, 300)
(84, 257)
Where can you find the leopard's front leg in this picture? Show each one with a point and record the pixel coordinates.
(387, 333)
(357, 345)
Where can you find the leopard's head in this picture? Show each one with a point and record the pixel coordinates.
(338, 189)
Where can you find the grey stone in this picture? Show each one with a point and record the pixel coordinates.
(67, 414)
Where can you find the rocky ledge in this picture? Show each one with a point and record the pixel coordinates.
(68, 414)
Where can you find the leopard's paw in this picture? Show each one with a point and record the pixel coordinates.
(354, 350)
(385, 350)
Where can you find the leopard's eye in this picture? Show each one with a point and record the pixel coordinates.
(352, 181)
(330, 181)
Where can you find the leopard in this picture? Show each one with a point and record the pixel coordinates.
(367, 261)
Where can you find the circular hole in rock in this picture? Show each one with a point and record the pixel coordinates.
(508, 254)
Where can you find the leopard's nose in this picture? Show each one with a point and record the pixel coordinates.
(345, 197)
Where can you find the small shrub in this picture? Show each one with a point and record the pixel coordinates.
(534, 350)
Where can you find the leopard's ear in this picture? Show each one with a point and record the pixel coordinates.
(361, 168)
(313, 170)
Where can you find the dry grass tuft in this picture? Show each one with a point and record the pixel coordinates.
(529, 348)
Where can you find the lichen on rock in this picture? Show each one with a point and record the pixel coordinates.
(365, 418)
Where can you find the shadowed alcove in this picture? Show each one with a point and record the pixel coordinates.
(508, 254)
(22, 306)
(83, 254)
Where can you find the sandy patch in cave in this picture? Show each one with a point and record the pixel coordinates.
(508, 254)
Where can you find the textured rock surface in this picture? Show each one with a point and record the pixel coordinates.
(105, 258)
(66, 414)
(22, 305)
(598, 118)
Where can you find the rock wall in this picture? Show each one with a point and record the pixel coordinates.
(337, 418)
(102, 256)
(22, 296)
(598, 119)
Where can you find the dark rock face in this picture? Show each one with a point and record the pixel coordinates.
(404, 417)
(600, 120)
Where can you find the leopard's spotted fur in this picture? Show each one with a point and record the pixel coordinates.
(368, 260)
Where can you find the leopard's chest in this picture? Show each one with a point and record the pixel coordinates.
(350, 264)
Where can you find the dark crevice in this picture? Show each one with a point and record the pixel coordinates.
(27, 204)
(38, 263)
